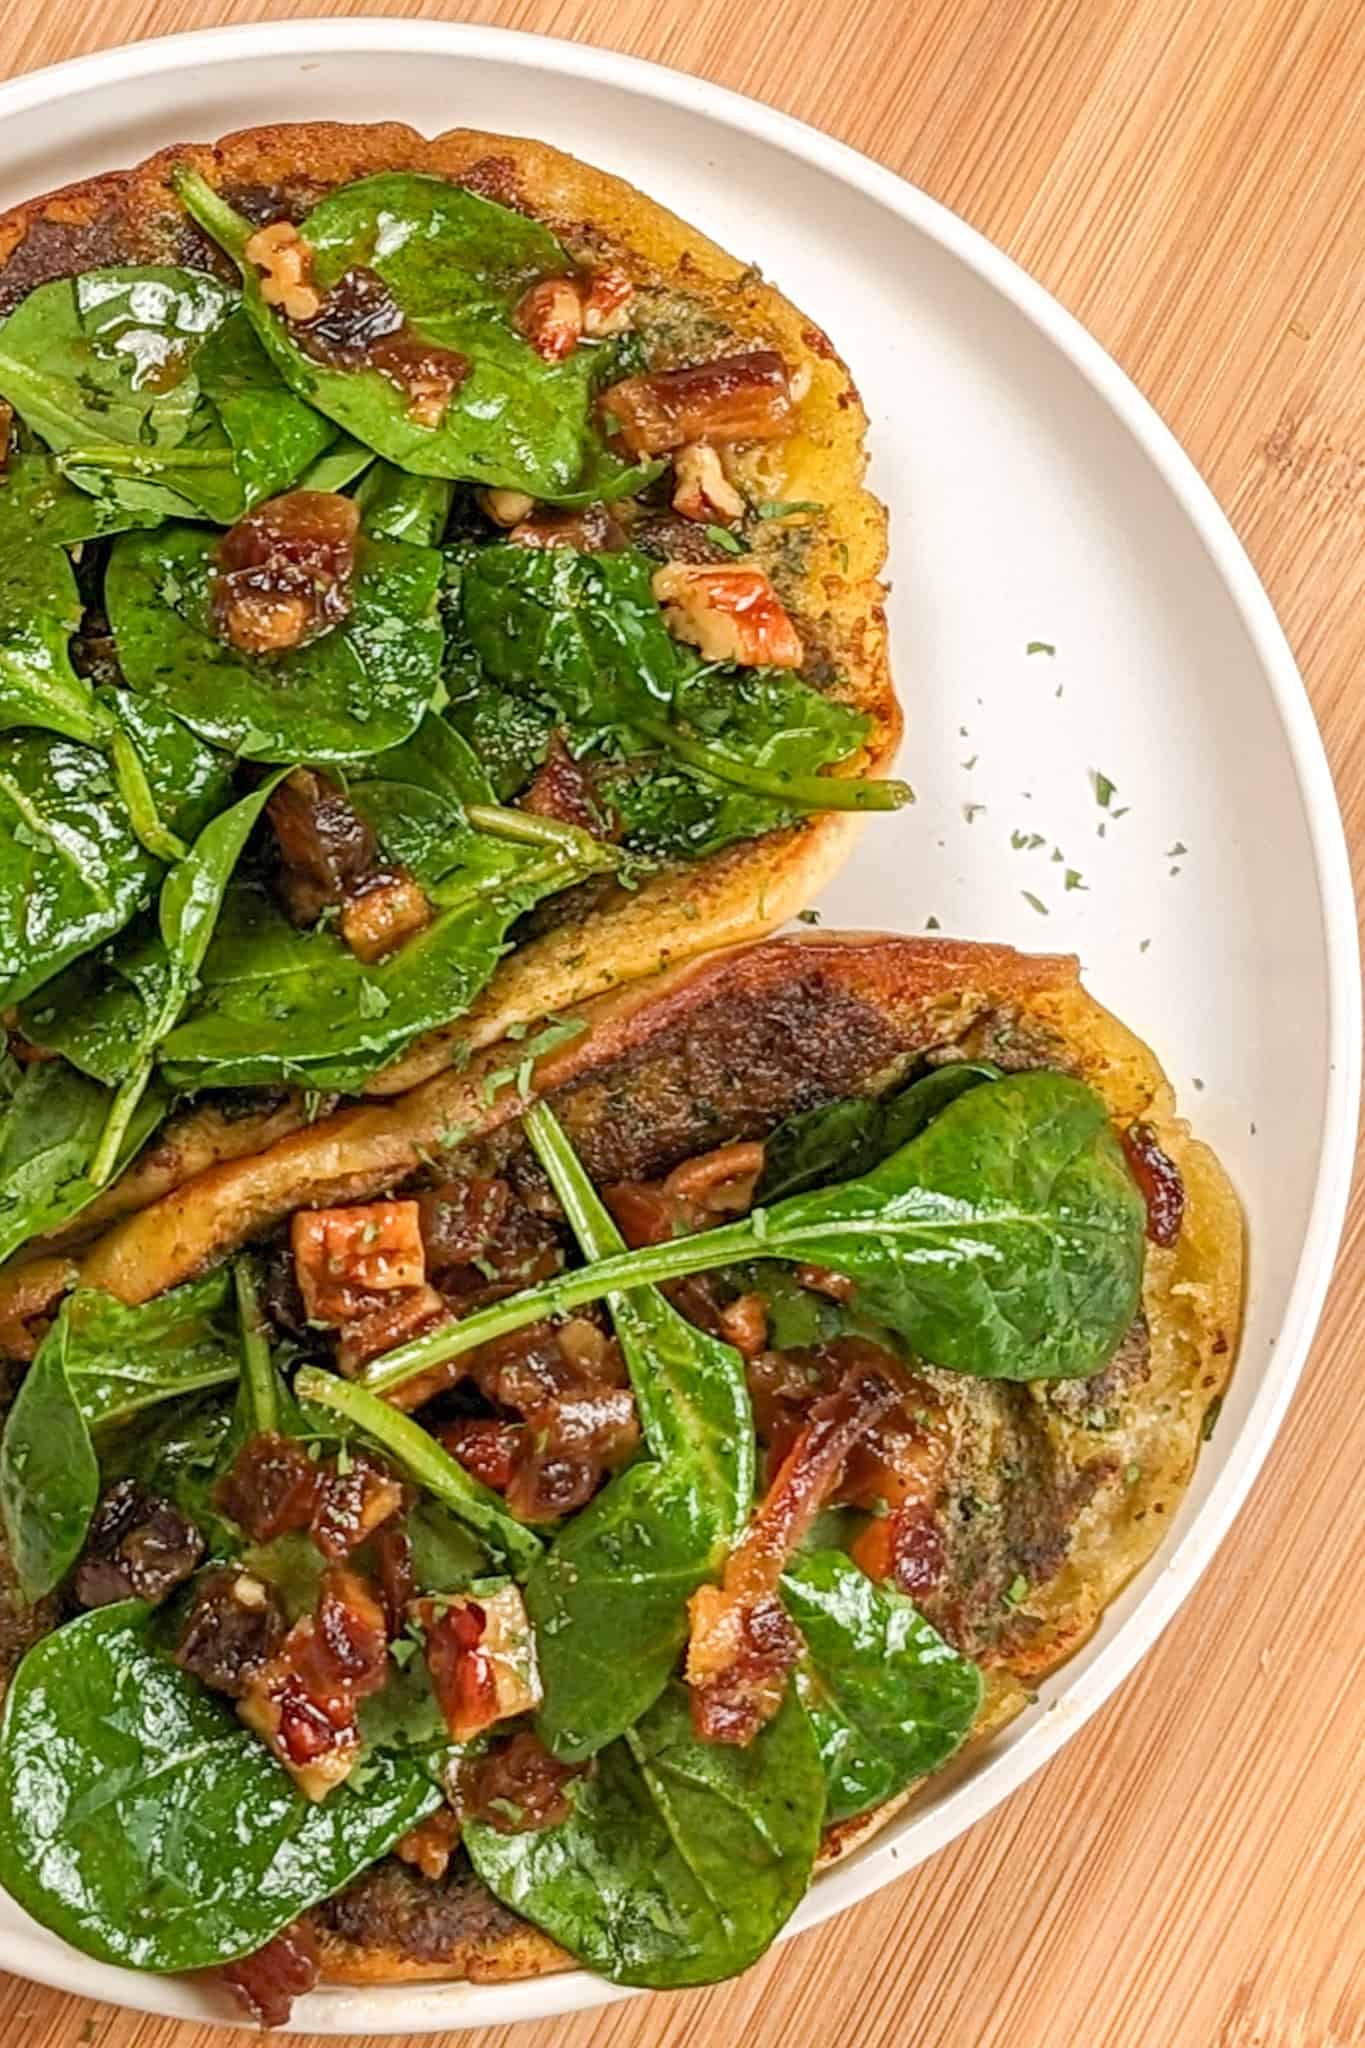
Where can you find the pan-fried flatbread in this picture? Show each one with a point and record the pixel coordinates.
(694, 302)
(1078, 1480)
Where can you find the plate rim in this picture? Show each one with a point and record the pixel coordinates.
(408, 2008)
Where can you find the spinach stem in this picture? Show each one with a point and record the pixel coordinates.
(526, 828)
(262, 1387)
(130, 1093)
(136, 792)
(424, 1460)
(803, 792)
(640, 1268)
(122, 461)
(230, 229)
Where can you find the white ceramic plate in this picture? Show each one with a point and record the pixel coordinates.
(1034, 497)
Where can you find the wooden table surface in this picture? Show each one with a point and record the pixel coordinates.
(1189, 177)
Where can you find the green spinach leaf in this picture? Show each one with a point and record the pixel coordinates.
(48, 1136)
(888, 1699)
(360, 688)
(72, 869)
(585, 633)
(682, 1859)
(141, 1822)
(1006, 1241)
(191, 899)
(109, 357)
(456, 265)
(39, 503)
(40, 609)
(396, 506)
(609, 1598)
(100, 1363)
(841, 1140)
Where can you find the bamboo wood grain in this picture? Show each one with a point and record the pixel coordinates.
(1189, 177)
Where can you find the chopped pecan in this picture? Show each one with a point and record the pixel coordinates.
(550, 316)
(286, 263)
(607, 300)
(730, 612)
(349, 1260)
(431, 1844)
(267, 1983)
(282, 575)
(720, 1182)
(702, 490)
(734, 398)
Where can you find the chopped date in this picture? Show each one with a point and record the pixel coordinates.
(266, 1984)
(302, 1702)
(481, 1656)
(489, 1447)
(382, 912)
(272, 1486)
(360, 325)
(741, 1642)
(139, 1546)
(516, 1786)
(592, 531)
(233, 1628)
(1158, 1178)
(353, 1504)
(282, 575)
(390, 1323)
(325, 846)
(735, 398)
(396, 1572)
(560, 788)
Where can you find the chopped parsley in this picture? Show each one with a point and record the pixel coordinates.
(1040, 647)
(1036, 902)
(1026, 842)
(782, 508)
(1211, 1415)
(808, 917)
(1073, 879)
(722, 537)
(1104, 789)
(1017, 1590)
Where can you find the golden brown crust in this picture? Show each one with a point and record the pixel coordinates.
(830, 578)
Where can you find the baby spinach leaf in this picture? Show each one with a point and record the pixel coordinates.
(843, 1139)
(109, 356)
(272, 436)
(888, 1699)
(99, 1364)
(50, 1129)
(38, 503)
(446, 1557)
(191, 899)
(585, 633)
(396, 506)
(456, 265)
(72, 870)
(141, 1822)
(40, 608)
(426, 1462)
(682, 1859)
(283, 1003)
(609, 1598)
(360, 688)
(1006, 1241)
(188, 781)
